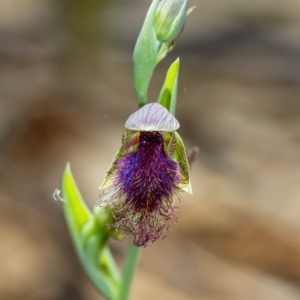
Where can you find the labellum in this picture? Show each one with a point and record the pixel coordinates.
(149, 169)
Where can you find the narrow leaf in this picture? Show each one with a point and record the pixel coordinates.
(88, 239)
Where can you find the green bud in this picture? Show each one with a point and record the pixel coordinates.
(170, 19)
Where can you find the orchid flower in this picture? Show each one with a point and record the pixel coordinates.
(150, 167)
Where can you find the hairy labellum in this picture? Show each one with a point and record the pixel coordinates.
(150, 167)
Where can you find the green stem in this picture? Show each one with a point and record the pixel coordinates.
(130, 263)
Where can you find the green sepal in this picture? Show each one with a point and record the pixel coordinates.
(168, 93)
(130, 141)
(144, 55)
(89, 239)
(108, 179)
(179, 154)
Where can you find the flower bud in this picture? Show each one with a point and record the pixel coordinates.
(169, 19)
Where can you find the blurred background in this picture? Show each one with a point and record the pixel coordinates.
(65, 94)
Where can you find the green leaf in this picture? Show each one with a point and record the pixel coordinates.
(75, 208)
(89, 239)
(144, 55)
(168, 93)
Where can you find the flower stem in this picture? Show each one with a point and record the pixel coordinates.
(130, 263)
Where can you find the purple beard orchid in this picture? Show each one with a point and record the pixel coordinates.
(150, 167)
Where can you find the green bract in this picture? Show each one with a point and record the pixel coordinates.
(168, 93)
(144, 55)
